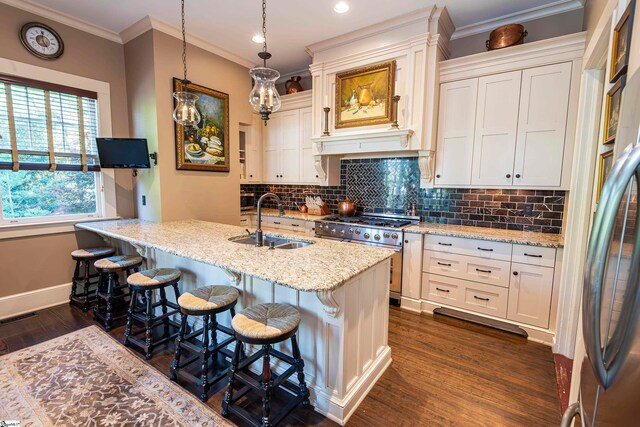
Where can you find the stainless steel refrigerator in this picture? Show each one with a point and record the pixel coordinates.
(610, 373)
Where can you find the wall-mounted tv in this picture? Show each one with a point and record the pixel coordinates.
(123, 153)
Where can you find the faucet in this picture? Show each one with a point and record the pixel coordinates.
(259, 225)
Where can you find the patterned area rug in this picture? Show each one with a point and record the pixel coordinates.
(86, 378)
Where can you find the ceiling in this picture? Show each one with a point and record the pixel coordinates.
(291, 24)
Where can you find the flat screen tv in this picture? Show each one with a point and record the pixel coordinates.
(123, 153)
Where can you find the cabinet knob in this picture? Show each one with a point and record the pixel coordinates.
(517, 175)
(406, 241)
(438, 176)
(515, 273)
(317, 176)
(508, 175)
(250, 176)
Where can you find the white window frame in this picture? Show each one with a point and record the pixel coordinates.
(105, 179)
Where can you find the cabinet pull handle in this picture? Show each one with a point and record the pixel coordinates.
(443, 290)
(481, 299)
(515, 273)
(276, 222)
(532, 256)
(483, 271)
(295, 225)
(445, 244)
(508, 175)
(486, 250)
(445, 264)
(517, 175)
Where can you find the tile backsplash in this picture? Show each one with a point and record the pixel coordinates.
(391, 185)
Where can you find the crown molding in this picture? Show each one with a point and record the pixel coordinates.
(559, 6)
(149, 22)
(63, 18)
(304, 72)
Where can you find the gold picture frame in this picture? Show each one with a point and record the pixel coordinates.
(605, 165)
(205, 148)
(612, 111)
(364, 95)
(621, 44)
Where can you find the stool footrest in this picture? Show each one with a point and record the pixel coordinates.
(284, 357)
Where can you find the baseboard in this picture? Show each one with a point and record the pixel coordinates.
(410, 304)
(15, 305)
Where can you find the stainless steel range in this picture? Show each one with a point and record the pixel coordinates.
(381, 230)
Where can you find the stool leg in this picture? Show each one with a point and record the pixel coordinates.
(99, 287)
(228, 394)
(232, 310)
(132, 308)
(148, 323)
(111, 284)
(175, 363)
(266, 385)
(205, 358)
(163, 304)
(85, 290)
(74, 280)
(304, 392)
(176, 292)
(214, 333)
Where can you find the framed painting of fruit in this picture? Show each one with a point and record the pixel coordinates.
(206, 147)
(363, 95)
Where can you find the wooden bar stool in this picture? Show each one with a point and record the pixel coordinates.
(83, 277)
(110, 291)
(206, 302)
(143, 284)
(265, 324)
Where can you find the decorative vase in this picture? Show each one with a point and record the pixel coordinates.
(365, 96)
(293, 85)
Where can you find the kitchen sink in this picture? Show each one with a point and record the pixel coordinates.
(268, 241)
(294, 245)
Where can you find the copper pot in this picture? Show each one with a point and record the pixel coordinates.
(346, 208)
(293, 85)
(505, 36)
(303, 209)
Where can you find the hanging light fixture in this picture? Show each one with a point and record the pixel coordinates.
(264, 97)
(185, 112)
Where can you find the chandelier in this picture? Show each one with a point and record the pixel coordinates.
(185, 112)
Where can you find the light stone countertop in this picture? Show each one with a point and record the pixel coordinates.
(287, 214)
(510, 236)
(323, 266)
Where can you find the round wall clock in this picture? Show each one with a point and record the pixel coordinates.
(41, 40)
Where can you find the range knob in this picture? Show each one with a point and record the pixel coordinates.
(351, 231)
(333, 231)
(367, 235)
(394, 236)
(326, 227)
(377, 237)
(342, 233)
(358, 231)
(386, 235)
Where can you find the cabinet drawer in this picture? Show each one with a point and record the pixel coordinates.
(445, 290)
(490, 271)
(473, 247)
(296, 225)
(486, 299)
(534, 255)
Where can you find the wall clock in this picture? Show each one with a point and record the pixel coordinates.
(41, 40)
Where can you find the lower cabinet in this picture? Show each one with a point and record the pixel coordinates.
(530, 294)
(297, 226)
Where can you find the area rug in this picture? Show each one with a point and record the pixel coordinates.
(86, 378)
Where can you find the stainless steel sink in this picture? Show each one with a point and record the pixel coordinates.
(269, 241)
(294, 245)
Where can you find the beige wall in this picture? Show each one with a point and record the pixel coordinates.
(592, 12)
(539, 29)
(185, 194)
(38, 262)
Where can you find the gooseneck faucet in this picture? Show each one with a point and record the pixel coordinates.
(259, 225)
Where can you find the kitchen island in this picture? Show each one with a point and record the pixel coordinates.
(340, 289)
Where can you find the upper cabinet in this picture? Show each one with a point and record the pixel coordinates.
(251, 151)
(501, 127)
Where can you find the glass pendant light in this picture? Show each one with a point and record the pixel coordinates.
(185, 112)
(264, 97)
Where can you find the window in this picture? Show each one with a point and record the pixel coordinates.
(48, 155)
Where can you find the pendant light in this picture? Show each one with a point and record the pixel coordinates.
(264, 97)
(185, 112)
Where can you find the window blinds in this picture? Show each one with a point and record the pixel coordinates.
(47, 127)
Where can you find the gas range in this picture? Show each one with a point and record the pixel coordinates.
(371, 229)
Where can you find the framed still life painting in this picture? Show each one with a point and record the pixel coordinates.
(206, 147)
(606, 163)
(612, 111)
(363, 95)
(621, 42)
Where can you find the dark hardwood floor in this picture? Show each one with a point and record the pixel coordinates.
(445, 372)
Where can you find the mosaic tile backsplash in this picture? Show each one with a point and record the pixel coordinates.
(391, 185)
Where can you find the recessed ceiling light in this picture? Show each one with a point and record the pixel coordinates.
(257, 38)
(341, 7)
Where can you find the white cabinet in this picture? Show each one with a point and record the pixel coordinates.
(542, 123)
(272, 149)
(282, 148)
(308, 172)
(411, 265)
(494, 142)
(251, 151)
(456, 126)
(530, 294)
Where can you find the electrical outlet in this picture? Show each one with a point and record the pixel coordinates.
(528, 210)
(144, 200)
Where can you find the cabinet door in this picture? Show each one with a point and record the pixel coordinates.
(272, 143)
(254, 151)
(411, 265)
(496, 125)
(290, 146)
(530, 294)
(456, 125)
(544, 103)
(307, 168)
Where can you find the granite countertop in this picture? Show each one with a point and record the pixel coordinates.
(287, 214)
(510, 236)
(323, 266)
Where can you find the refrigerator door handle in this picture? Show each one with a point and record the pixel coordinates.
(572, 411)
(625, 169)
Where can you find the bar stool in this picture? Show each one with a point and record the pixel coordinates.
(82, 276)
(142, 310)
(265, 324)
(110, 291)
(206, 302)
